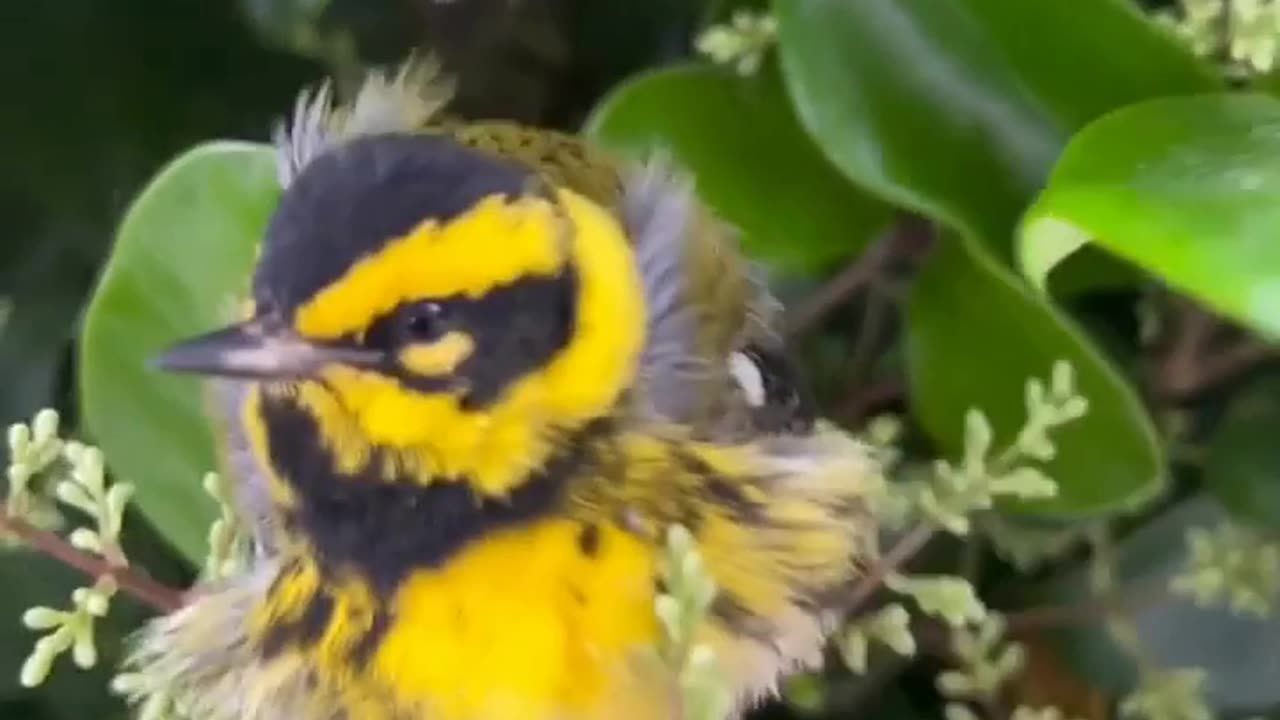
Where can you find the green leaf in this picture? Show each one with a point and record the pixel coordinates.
(751, 160)
(182, 257)
(957, 109)
(1238, 653)
(974, 336)
(1056, 243)
(1243, 455)
(1186, 188)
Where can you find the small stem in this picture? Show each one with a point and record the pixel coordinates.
(114, 554)
(902, 551)
(903, 240)
(1192, 366)
(141, 587)
(1195, 329)
(867, 344)
(1221, 367)
(809, 312)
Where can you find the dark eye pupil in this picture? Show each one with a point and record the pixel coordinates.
(423, 321)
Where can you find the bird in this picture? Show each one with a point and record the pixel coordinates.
(714, 305)
(482, 371)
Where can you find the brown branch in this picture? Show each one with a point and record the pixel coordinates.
(906, 240)
(868, 343)
(1191, 365)
(902, 551)
(810, 311)
(1194, 330)
(134, 583)
(1222, 367)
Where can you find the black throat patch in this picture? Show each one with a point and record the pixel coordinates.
(384, 529)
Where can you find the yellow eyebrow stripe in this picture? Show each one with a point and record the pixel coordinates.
(493, 244)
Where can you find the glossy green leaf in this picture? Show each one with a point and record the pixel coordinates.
(751, 160)
(975, 335)
(957, 109)
(183, 253)
(1237, 653)
(1055, 244)
(1242, 467)
(1186, 188)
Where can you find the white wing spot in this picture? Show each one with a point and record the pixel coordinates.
(748, 377)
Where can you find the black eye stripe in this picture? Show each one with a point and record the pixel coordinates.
(516, 329)
(417, 321)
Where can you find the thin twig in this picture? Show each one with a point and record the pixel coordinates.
(906, 242)
(1221, 367)
(810, 311)
(141, 587)
(901, 552)
(1194, 329)
(907, 239)
(868, 343)
(1192, 365)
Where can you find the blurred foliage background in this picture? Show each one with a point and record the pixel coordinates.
(951, 195)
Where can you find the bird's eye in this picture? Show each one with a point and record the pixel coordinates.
(423, 321)
(419, 322)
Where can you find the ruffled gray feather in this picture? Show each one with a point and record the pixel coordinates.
(400, 101)
(690, 368)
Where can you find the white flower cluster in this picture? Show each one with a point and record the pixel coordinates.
(39, 460)
(1246, 33)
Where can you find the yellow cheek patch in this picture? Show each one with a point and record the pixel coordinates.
(437, 358)
(432, 436)
(492, 244)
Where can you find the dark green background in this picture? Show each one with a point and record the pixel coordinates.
(869, 112)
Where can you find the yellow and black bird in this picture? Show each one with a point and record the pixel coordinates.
(485, 368)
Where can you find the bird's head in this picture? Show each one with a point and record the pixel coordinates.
(421, 299)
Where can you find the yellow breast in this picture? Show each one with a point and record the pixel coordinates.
(552, 621)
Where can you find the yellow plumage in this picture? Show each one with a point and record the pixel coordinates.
(461, 387)
(727, 305)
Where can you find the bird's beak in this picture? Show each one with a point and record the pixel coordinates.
(260, 349)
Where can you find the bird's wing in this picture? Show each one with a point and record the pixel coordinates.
(715, 357)
(782, 524)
